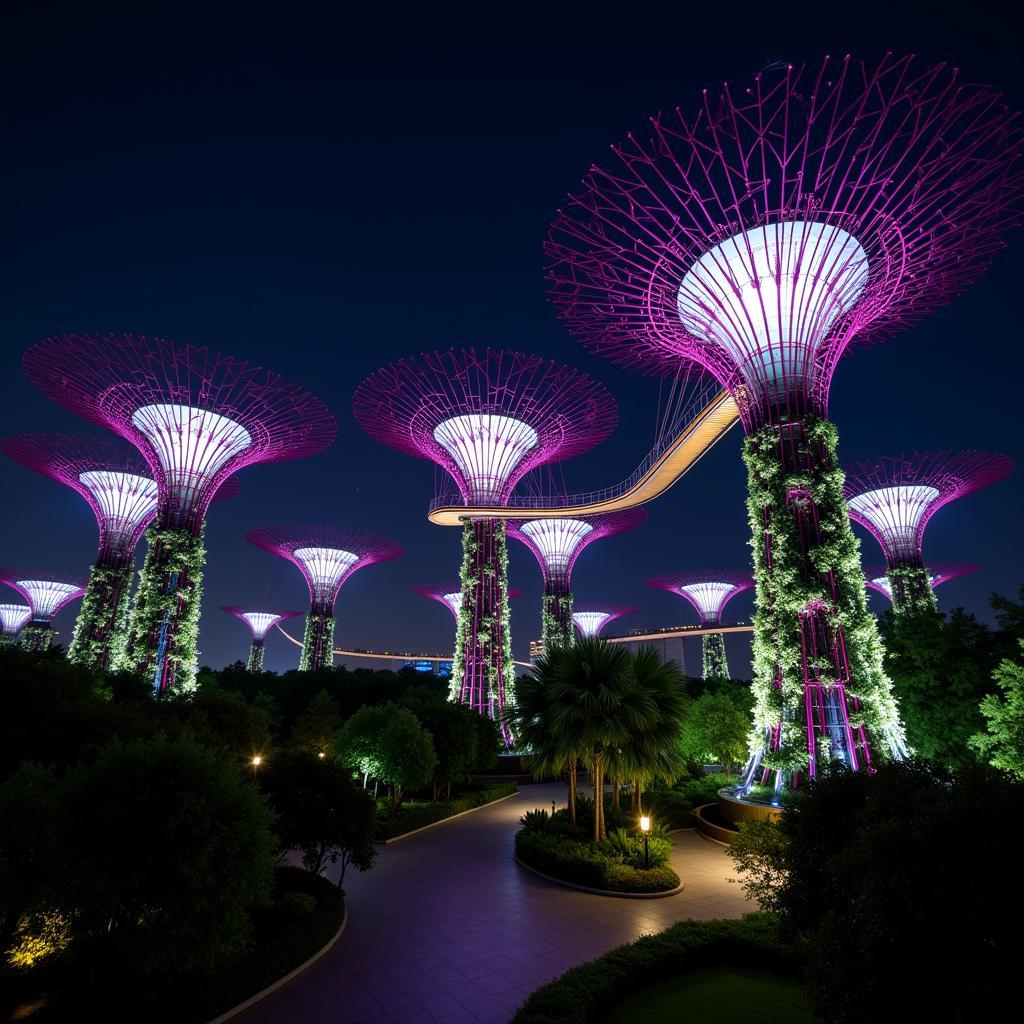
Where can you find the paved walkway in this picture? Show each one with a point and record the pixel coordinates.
(448, 928)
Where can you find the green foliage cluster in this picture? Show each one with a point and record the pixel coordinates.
(101, 628)
(715, 664)
(418, 815)
(792, 583)
(36, 636)
(583, 994)
(879, 879)
(674, 806)
(556, 620)
(912, 592)
(716, 728)
(1001, 743)
(317, 642)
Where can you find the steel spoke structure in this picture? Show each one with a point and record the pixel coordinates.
(487, 418)
(756, 238)
(894, 497)
(260, 622)
(196, 417)
(46, 594)
(556, 544)
(326, 556)
(12, 618)
(590, 619)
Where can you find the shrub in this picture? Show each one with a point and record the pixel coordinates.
(629, 849)
(536, 821)
(412, 818)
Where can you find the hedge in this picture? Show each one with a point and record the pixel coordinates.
(583, 994)
(572, 861)
(413, 818)
(305, 934)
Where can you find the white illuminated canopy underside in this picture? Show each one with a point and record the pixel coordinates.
(325, 568)
(124, 499)
(260, 622)
(896, 513)
(558, 540)
(48, 597)
(770, 295)
(590, 623)
(709, 599)
(882, 583)
(488, 449)
(14, 616)
(454, 602)
(193, 445)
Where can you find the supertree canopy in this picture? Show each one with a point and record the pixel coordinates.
(894, 497)
(877, 578)
(12, 618)
(590, 619)
(259, 623)
(46, 594)
(556, 544)
(326, 556)
(450, 594)
(197, 417)
(709, 591)
(756, 239)
(488, 419)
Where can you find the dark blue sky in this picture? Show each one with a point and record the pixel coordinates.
(322, 194)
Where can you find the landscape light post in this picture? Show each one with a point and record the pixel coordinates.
(645, 828)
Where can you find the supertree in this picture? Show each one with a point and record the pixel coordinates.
(46, 594)
(556, 544)
(450, 595)
(877, 576)
(260, 623)
(488, 419)
(197, 417)
(590, 619)
(12, 618)
(709, 591)
(326, 556)
(894, 497)
(756, 240)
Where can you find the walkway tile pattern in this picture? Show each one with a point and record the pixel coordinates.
(448, 928)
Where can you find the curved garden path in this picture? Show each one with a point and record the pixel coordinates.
(448, 928)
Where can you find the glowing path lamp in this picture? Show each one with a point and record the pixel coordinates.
(590, 619)
(487, 419)
(259, 623)
(12, 618)
(877, 578)
(756, 239)
(895, 497)
(709, 592)
(326, 556)
(197, 417)
(46, 594)
(556, 544)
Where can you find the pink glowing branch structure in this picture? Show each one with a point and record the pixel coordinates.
(894, 497)
(195, 415)
(590, 619)
(938, 573)
(12, 618)
(709, 591)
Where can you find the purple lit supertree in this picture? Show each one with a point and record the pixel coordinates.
(12, 618)
(757, 239)
(590, 619)
(877, 578)
(326, 556)
(197, 417)
(556, 544)
(894, 497)
(46, 594)
(488, 419)
(260, 622)
(709, 591)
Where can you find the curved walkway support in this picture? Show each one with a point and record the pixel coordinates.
(662, 467)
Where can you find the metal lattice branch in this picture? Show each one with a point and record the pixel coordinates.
(557, 543)
(47, 592)
(259, 620)
(487, 418)
(13, 617)
(782, 220)
(325, 555)
(709, 591)
(196, 416)
(894, 497)
(938, 573)
(591, 619)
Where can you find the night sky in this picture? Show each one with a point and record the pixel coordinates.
(322, 195)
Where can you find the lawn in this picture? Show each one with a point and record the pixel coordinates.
(717, 995)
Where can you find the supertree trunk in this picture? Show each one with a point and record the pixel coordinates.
(36, 636)
(101, 629)
(716, 666)
(821, 695)
(483, 646)
(164, 626)
(318, 640)
(912, 591)
(257, 653)
(556, 618)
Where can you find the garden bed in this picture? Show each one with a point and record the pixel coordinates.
(415, 816)
(591, 992)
